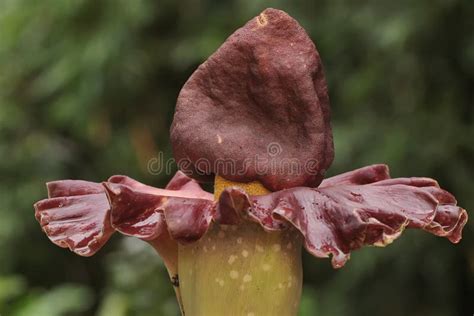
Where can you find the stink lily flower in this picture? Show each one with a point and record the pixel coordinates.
(254, 118)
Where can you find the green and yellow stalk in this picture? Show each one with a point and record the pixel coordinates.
(241, 270)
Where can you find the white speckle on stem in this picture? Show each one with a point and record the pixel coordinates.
(234, 274)
(232, 259)
(220, 281)
(247, 278)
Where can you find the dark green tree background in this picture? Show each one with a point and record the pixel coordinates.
(87, 90)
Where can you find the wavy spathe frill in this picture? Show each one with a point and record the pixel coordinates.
(346, 212)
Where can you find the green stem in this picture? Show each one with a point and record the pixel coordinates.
(241, 270)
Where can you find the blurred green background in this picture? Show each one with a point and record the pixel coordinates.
(88, 88)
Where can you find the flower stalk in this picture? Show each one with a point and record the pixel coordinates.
(241, 269)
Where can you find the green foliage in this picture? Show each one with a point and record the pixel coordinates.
(61, 300)
(87, 90)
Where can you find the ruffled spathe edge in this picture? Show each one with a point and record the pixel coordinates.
(348, 211)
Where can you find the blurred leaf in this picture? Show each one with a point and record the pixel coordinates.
(114, 304)
(309, 306)
(62, 300)
(10, 287)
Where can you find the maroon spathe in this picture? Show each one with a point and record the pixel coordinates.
(362, 207)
